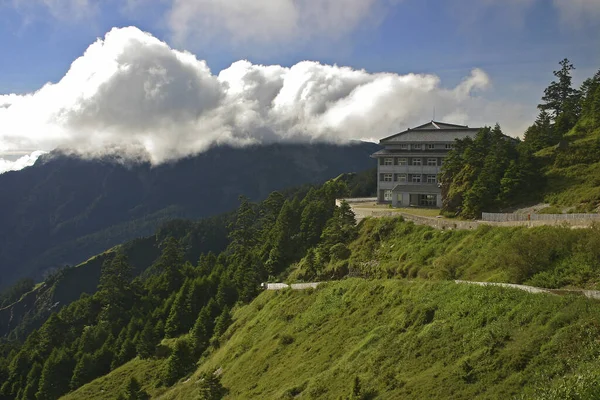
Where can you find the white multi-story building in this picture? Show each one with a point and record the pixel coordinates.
(409, 164)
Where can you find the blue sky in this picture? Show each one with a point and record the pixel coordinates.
(518, 46)
(516, 43)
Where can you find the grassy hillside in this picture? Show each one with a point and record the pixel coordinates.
(573, 170)
(553, 257)
(401, 339)
(418, 336)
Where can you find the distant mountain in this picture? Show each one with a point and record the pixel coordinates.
(65, 209)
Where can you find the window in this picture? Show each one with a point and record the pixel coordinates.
(387, 177)
(401, 177)
(449, 146)
(431, 179)
(432, 161)
(388, 161)
(416, 146)
(416, 161)
(403, 147)
(430, 146)
(402, 161)
(387, 195)
(428, 200)
(416, 178)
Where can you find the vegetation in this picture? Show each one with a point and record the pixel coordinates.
(546, 256)
(557, 161)
(396, 339)
(175, 309)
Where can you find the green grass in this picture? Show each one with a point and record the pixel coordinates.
(554, 257)
(409, 340)
(573, 174)
(108, 387)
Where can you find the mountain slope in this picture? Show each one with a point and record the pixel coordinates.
(64, 210)
(408, 340)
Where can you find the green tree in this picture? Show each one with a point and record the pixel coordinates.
(84, 371)
(147, 341)
(33, 379)
(179, 363)
(222, 322)
(559, 93)
(180, 317)
(133, 390)
(114, 289)
(202, 331)
(210, 387)
(56, 375)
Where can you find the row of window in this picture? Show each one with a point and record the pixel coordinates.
(414, 178)
(413, 161)
(427, 146)
(427, 200)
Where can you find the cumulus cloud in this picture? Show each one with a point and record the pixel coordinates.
(243, 22)
(20, 163)
(132, 93)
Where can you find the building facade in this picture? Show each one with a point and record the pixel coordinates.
(409, 164)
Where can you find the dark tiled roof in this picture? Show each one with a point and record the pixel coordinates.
(433, 131)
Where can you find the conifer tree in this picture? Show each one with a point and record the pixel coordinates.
(84, 371)
(179, 363)
(33, 379)
(114, 289)
(56, 375)
(222, 322)
(210, 387)
(133, 391)
(147, 341)
(180, 318)
(202, 331)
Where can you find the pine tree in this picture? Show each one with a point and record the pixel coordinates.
(179, 363)
(147, 341)
(170, 263)
(202, 331)
(33, 379)
(210, 387)
(222, 322)
(56, 375)
(114, 289)
(559, 93)
(133, 391)
(180, 318)
(84, 371)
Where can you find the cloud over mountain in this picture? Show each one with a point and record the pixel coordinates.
(132, 93)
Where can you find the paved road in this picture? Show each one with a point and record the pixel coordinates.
(591, 294)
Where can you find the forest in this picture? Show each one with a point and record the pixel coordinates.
(555, 161)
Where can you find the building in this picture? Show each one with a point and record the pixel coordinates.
(409, 164)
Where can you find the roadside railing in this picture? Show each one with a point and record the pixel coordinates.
(510, 217)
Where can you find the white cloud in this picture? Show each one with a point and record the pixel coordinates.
(133, 93)
(290, 22)
(20, 163)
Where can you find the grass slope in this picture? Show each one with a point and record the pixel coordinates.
(408, 340)
(573, 170)
(554, 257)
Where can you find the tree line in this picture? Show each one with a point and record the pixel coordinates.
(491, 171)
